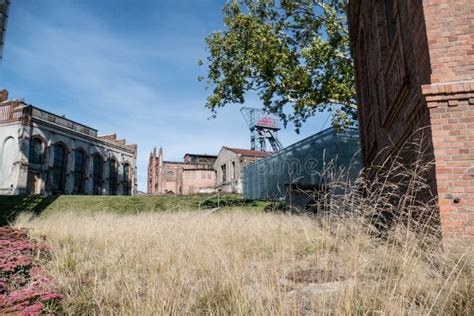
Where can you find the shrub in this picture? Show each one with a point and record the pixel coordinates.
(24, 286)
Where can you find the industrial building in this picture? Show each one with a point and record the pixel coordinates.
(44, 153)
(194, 175)
(303, 164)
(229, 165)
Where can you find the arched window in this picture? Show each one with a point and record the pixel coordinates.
(96, 174)
(59, 168)
(79, 171)
(126, 179)
(112, 177)
(6, 157)
(36, 150)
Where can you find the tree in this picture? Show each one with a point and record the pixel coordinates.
(291, 53)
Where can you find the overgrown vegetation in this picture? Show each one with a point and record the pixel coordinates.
(249, 263)
(25, 288)
(11, 206)
(373, 247)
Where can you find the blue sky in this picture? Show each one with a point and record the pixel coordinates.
(128, 67)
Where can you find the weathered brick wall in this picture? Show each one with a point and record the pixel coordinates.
(450, 99)
(450, 31)
(198, 180)
(391, 64)
(171, 177)
(452, 122)
(224, 161)
(233, 163)
(414, 65)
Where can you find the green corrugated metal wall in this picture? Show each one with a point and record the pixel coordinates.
(303, 163)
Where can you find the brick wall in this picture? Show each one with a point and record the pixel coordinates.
(414, 67)
(450, 31)
(452, 122)
(391, 64)
(450, 99)
(172, 177)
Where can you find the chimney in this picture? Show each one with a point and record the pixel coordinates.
(3, 95)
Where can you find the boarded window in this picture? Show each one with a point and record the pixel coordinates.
(36, 149)
(59, 169)
(112, 177)
(224, 173)
(6, 162)
(126, 179)
(79, 171)
(96, 175)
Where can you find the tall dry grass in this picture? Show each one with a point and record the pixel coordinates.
(249, 263)
(374, 248)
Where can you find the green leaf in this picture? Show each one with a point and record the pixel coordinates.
(292, 53)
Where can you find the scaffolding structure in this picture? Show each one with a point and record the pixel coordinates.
(263, 128)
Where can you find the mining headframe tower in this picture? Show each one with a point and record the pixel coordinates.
(263, 127)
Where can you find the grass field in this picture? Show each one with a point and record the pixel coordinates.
(11, 206)
(241, 262)
(374, 248)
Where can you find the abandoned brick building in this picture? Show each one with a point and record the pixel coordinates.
(200, 173)
(194, 175)
(230, 164)
(414, 68)
(44, 153)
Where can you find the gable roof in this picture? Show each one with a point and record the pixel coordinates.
(249, 152)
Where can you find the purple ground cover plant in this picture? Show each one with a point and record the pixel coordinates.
(25, 288)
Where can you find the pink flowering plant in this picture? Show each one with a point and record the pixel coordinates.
(25, 288)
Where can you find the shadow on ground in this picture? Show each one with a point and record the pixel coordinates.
(12, 205)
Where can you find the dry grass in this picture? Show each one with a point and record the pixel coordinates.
(247, 263)
(373, 249)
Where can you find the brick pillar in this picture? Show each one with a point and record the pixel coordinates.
(452, 121)
(450, 100)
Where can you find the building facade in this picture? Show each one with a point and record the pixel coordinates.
(414, 69)
(229, 165)
(192, 176)
(43, 153)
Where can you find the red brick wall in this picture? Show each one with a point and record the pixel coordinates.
(450, 99)
(171, 177)
(390, 70)
(414, 67)
(450, 31)
(452, 122)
